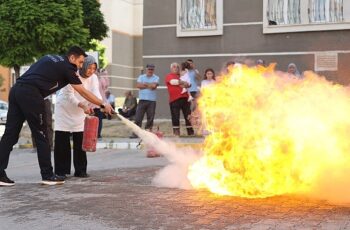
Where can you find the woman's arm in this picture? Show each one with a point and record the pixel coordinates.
(92, 98)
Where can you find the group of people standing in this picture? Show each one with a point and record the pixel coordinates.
(27, 103)
(183, 87)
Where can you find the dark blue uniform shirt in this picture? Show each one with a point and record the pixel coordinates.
(50, 73)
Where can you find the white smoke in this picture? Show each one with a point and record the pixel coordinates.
(173, 175)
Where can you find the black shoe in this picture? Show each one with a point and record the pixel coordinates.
(81, 174)
(133, 136)
(5, 181)
(53, 180)
(64, 176)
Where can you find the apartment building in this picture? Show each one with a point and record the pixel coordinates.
(314, 34)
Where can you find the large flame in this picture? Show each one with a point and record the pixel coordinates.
(271, 133)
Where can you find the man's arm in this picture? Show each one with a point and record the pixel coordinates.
(141, 85)
(152, 86)
(92, 98)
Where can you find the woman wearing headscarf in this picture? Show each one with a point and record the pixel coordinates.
(70, 113)
(293, 70)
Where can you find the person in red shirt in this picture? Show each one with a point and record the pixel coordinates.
(177, 100)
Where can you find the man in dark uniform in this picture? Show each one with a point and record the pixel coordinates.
(26, 102)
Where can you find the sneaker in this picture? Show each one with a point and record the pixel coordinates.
(53, 180)
(5, 181)
(64, 176)
(82, 175)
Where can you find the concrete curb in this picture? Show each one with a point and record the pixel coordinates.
(120, 145)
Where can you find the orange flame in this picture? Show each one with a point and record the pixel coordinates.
(271, 133)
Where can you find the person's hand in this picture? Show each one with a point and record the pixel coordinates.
(88, 110)
(152, 86)
(108, 109)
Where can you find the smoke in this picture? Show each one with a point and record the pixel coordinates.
(174, 175)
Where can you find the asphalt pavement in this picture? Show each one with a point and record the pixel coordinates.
(119, 195)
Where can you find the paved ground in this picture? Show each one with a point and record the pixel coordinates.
(119, 195)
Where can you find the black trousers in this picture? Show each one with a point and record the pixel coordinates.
(148, 107)
(26, 103)
(176, 106)
(48, 112)
(101, 116)
(62, 153)
(128, 113)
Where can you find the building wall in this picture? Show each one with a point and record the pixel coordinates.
(5, 86)
(124, 43)
(242, 38)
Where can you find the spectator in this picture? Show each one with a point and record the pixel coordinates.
(229, 65)
(69, 121)
(184, 76)
(194, 78)
(177, 100)
(293, 70)
(110, 99)
(209, 77)
(129, 106)
(103, 80)
(147, 83)
(260, 62)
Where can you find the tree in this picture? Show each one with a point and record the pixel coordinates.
(31, 29)
(101, 49)
(94, 21)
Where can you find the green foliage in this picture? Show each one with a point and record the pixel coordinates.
(97, 46)
(94, 21)
(31, 29)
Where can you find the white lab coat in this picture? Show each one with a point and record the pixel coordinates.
(68, 116)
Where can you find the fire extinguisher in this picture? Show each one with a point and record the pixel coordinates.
(151, 152)
(90, 133)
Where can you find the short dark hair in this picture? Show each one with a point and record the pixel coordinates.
(230, 63)
(76, 51)
(185, 65)
(189, 60)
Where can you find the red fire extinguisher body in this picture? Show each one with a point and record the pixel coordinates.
(90, 134)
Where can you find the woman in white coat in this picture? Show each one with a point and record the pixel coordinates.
(70, 112)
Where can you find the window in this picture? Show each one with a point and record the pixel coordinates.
(305, 15)
(326, 11)
(284, 12)
(199, 17)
